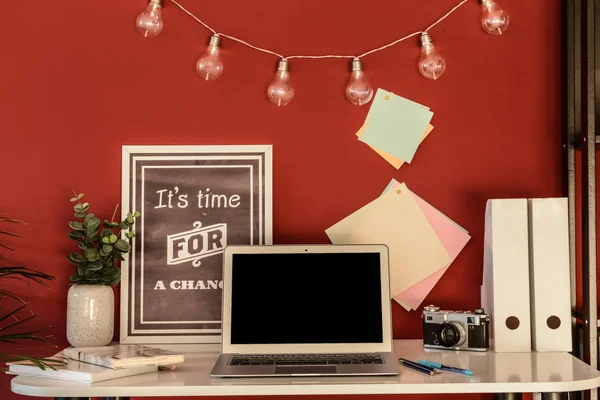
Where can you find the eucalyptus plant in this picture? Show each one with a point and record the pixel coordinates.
(101, 249)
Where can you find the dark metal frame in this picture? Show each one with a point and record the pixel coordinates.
(582, 64)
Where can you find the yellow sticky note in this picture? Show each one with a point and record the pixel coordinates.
(396, 162)
(396, 220)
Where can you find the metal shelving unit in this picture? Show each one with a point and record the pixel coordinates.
(582, 70)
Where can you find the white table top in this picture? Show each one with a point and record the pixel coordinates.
(493, 373)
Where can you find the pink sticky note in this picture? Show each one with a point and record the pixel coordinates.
(454, 239)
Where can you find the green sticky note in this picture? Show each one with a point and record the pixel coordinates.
(395, 125)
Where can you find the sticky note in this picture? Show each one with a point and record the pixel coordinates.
(396, 162)
(396, 220)
(396, 125)
(453, 237)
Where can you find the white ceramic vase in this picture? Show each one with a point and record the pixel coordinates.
(90, 315)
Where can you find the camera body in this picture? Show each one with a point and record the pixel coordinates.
(455, 330)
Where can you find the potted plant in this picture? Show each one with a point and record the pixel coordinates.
(14, 311)
(102, 246)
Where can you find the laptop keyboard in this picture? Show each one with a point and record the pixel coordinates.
(305, 359)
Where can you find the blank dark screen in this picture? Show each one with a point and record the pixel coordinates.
(306, 298)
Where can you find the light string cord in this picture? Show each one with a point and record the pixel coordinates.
(267, 51)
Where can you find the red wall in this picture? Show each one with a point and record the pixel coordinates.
(77, 83)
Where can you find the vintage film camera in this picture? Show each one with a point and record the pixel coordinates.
(455, 330)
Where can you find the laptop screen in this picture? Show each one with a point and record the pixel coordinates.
(306, 298)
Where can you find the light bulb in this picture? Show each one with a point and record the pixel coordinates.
(209, 66)
(149, 21)
(431, 65)
(493, 19)
(358, 91)
(280, 90)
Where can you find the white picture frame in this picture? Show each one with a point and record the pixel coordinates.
(194, 200)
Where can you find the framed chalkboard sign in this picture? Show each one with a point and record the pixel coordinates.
(194, 201)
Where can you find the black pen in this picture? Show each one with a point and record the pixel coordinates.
(417, 367)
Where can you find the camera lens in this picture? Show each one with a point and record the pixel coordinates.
(451, 334)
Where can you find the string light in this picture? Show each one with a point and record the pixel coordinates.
(209, 66)
(431, 65)
(358, 91)
(280, 91)
(493, 19)
(149, 21)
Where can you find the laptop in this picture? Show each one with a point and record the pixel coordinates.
(316, 310)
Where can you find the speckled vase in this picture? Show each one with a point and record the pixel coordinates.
(90, 315)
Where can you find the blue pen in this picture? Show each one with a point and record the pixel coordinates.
(433, 364)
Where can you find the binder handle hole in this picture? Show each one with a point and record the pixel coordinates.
(553, 322)
(512, 323)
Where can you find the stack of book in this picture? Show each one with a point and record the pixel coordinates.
(95, 364)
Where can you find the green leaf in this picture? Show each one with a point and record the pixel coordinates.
(106, 233)
(129, 215)
(113, 238)
(94, 266)
(76, 235)
(137, 214)
(78, 207)
(130, 220)
(76, 278)
(79, 196)
(106, 250)
(85, 207)
(76, 258)
(131, 234)
(79, 215)
(83, 271)
(124, 225)
(81, 245)
(76, 225)
(73, 199)
(105, 240)
(123, 245)
(92, 254)
(106, 224)
(119, 256)
(90, 215)
(114, 224)
(92, 225)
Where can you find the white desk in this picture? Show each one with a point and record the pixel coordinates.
(494, 373)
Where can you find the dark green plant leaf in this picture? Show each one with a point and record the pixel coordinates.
(76, 235)
(76, 258)
(113, 238)
(78, 207)
(76, 278)
(85, 207)
(76, 225)
(90, 215)
(123, 245)
(106, 224)
(83, 271)
(124, 225)
(106, 250)
(82, 245)
(79, 215)
(119, 256)
(106, 233)
(92, 254)
(94, 266)
(114, 225)
(93, 237)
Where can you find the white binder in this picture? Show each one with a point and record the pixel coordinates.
(549, 274)
(505, 288)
